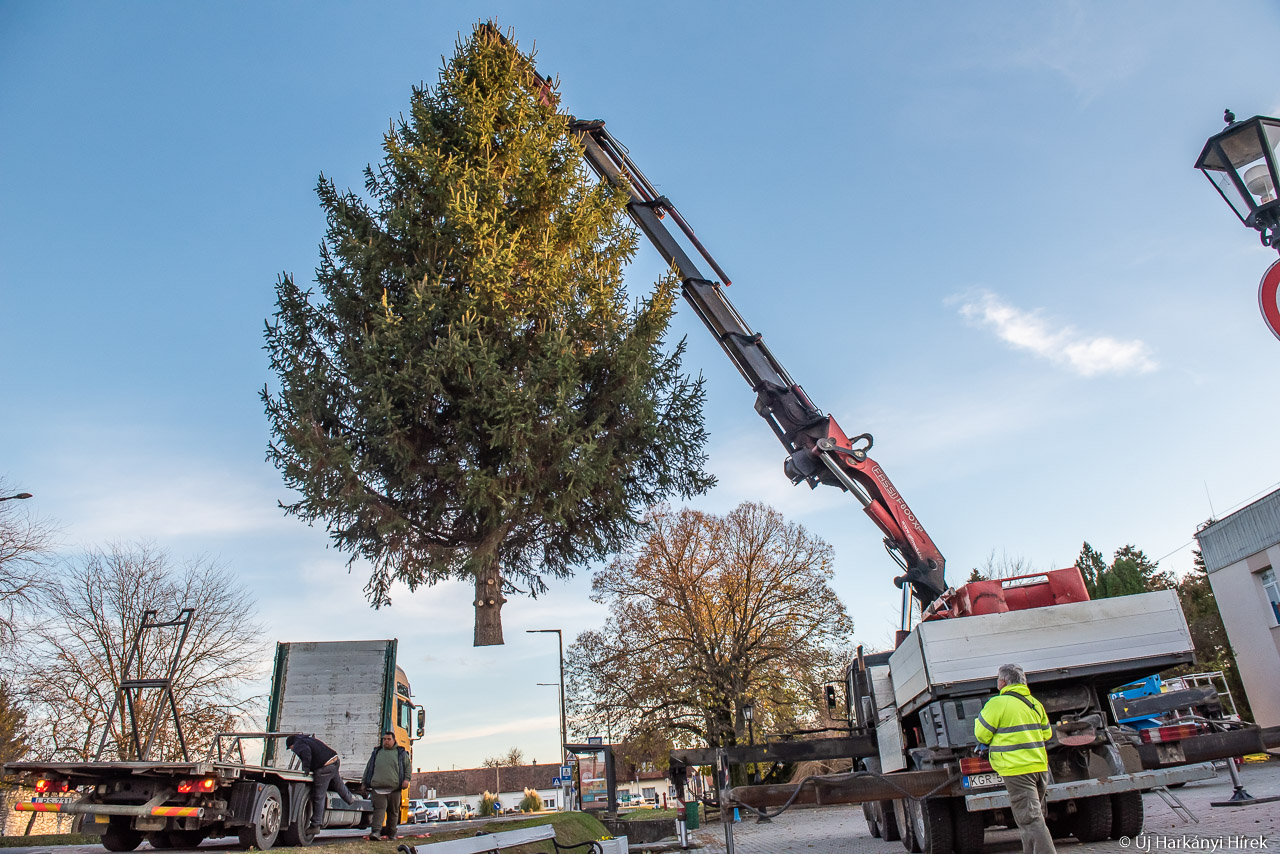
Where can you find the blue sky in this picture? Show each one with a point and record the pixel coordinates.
(974, 232)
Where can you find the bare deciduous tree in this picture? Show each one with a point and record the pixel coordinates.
(708, 613)
(26, 543)
(94, 610)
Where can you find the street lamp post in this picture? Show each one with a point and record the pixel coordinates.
(749, 715)
(1241, 162)
(564, 729)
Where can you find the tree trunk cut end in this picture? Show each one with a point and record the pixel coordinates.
(488, 603)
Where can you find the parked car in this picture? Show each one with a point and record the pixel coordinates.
(423, 811)
(458, 810)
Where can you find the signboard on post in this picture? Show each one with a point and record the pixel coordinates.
(1269, 298)
(595, 739)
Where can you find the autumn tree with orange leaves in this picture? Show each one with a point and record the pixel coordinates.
(707, 613)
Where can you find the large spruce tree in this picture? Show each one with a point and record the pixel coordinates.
(471, 393)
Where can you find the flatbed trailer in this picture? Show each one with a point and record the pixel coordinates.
(179, 804)
(345, 692)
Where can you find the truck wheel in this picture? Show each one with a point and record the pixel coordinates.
(902, 816)
(931, 824)
(121, 837)
(1093, 818)
(300, 832)
(185, 838)
(887, 820)
(1126, 814)
(869, 813)
(266, 821)
(969, 828)
(159, 839)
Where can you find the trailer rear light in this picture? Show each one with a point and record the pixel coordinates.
(208, 784)
(975, 765)
(42, 786)
(1166, 734)
(46, 786)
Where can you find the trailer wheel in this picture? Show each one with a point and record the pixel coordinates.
(159, 839)
(300, 832)
(119, 836)
(1093, 818)
(1126, 814)
(931, 824)
(970, 828)
(902, 816)
(262, 833)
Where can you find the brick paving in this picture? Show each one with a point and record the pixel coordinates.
(843, 830)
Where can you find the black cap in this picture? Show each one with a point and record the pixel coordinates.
(288, 742)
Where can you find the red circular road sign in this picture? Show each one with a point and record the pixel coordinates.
(1269, 298)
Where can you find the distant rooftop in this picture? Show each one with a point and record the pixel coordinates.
(1247, 531)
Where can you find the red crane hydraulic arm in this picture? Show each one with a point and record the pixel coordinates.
(819, 451)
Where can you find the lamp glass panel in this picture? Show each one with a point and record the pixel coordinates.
(1222, 180)
(1244, 150)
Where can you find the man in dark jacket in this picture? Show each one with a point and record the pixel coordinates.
(386, 777)
(325, 767)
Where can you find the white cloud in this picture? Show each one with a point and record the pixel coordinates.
(1087, 355)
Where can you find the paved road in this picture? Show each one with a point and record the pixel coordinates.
(842, 830)
(408, 832)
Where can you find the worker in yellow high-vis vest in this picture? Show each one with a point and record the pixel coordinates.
(1015, 728)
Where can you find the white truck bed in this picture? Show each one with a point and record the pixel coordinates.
(339, 691)
(1126, 635)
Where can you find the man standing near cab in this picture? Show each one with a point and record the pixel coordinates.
(1016, 728)
(322, 761)
(386, 776)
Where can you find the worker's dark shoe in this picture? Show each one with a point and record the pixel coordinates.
(313, 828)
(373, 837)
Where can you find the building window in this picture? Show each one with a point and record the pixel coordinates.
(549, 803)
(1272, 590)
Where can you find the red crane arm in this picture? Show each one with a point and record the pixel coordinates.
(819, 451)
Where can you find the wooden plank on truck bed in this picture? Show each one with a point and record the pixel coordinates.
(490, 842)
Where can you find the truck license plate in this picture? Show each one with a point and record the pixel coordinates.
(978, 781)
(53, 800)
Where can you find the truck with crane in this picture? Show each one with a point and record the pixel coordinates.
(347, 693)
(911, 710)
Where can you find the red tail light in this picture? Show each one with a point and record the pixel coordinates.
(186, 787)
(46, 786)
(1166, 734)
(42, 786)
(975, 765)
(208, 784)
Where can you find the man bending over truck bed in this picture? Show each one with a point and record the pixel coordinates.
(323, 763)
(1015, 727)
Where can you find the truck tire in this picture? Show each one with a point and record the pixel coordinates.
(969, 829)
(888, 822)
(869, 813)
(265, 817)
(159, 839)
(119, 836)
(299, 833)
(902, 817)
(931, 824)
(1126, 814)
(1093, 818)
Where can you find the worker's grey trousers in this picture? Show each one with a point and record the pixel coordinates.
(1027, 797)
(325, 778)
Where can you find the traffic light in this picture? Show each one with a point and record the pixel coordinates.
(831, 701)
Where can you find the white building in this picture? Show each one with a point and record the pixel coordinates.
(1242, 554)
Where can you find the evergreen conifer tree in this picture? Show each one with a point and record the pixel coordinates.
(471, 394)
